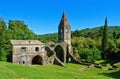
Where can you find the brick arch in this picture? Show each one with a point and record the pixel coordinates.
(37, 60)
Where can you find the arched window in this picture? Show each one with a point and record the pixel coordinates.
(23, 62)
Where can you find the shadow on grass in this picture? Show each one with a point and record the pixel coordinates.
(107, 62)
(115, 75)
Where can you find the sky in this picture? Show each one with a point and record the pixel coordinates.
(43, 16)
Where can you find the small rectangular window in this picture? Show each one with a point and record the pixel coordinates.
(23, 49)
(37, 49)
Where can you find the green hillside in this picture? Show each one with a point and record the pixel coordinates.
(87, 43)
(110, 28)
(54, 36)
(72, 71)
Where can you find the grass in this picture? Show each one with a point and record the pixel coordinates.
(104, 62)
(117, 65)
(72, 71)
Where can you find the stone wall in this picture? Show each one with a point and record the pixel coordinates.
(23, 54)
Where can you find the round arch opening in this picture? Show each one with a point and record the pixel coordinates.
(59, 52)
(37, 60)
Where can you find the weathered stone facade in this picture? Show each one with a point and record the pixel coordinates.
(64, 37)
(28, 51)
(35, 52)
(64, 31)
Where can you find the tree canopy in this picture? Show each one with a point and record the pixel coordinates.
(16, 30)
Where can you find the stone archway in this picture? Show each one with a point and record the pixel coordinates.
(37, 60)
(59, 52)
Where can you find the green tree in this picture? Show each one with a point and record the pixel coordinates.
(3, 40)
(90, 55)
(2, 30)
(3, 54)
(17, 30)
(76, 33)
(115, 34)
(100, 31)
(20, 31)
(105, 39)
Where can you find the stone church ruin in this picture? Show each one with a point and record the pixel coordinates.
(32, 52)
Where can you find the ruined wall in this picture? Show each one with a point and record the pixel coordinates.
(23, 54)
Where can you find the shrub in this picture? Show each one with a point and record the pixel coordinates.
(117, 64)
(3, 55)
(90, 55)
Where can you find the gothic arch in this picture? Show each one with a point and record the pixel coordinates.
(59, 52)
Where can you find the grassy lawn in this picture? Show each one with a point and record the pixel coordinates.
(72, 71)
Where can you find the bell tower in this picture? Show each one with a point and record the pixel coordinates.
(64, 30)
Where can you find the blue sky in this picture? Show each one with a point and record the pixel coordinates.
(43, 16)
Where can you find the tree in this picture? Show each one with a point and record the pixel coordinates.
(76, 33)
(100, 32)
(105, 39)
(115, 34)
(3, 54)
(90, 55)
(3, 40)
(20, 31)
(2, 29)
(17, 30)
(90, 35)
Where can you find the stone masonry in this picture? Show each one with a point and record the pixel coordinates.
(28, 52)
(35, 52)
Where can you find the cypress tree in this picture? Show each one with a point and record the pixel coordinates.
(105, 38)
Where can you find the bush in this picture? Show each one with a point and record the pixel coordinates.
(3, 54)
(117, 64)
(90, 55)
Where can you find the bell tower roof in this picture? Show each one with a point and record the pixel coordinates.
(64, 30)
(64, 17)
(64, 22)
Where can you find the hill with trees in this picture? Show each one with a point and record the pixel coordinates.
(84, 33)
(87, 43)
